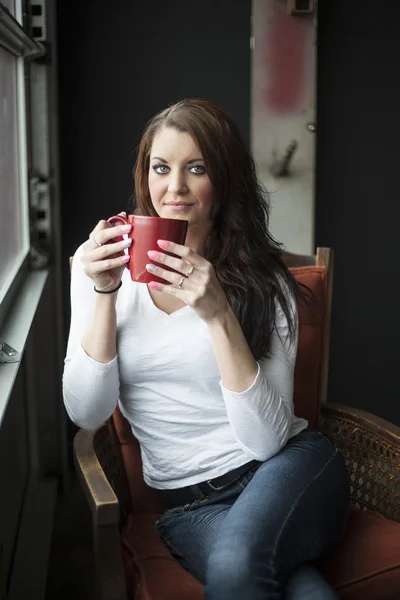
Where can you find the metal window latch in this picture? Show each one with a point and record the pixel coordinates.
(7, 353)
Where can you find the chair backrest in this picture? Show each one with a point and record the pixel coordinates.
(311, 372)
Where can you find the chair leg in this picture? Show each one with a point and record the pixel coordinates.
(110, 575)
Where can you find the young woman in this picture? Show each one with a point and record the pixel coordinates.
(203, 368)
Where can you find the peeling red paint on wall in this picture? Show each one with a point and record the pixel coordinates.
(285, 59)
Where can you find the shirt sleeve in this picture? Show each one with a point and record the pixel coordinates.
(90, 388)
(261, 416)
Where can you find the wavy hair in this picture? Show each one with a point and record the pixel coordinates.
(246, 258)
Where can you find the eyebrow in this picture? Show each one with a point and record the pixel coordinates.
(189, 162)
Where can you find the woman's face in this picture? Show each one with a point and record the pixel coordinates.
(178, 183)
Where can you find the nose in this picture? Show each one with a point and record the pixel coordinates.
(177, 183)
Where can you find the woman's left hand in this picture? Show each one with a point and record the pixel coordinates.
(195, 283)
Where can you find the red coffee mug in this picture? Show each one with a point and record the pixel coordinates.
(145, 233)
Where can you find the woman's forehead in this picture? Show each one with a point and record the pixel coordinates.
(169, 142)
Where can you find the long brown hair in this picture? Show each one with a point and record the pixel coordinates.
(246, 258)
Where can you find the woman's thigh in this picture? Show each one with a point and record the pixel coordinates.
(293, 509)
(190, 533)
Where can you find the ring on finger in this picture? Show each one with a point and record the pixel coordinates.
(188, 274)
(181, 282)
(96, 242)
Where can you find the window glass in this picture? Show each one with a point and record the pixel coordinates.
(12, 235)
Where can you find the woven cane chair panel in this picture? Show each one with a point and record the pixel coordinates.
(373, 463)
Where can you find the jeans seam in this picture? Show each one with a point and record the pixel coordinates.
(172, 547)
(298, 500)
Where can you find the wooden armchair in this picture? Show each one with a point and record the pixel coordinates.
(367, 563)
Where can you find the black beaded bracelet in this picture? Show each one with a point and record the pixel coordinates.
(110, 291)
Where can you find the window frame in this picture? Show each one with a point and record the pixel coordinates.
(15, 40)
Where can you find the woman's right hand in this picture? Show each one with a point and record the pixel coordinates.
(103, 257)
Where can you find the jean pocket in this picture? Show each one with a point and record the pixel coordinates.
(169, 514)
(247, 477)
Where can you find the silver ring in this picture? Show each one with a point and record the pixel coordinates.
(188, 274)
(181, 282)
(96, 242)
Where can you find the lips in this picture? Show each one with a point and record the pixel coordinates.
(179, 204)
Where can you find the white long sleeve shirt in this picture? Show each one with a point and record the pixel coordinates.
(166, 380)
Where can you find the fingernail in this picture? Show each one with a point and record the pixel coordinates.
(153, 254)
(125, 258)
(153, 285)
(163, 243)
(127, 242)
(126, 228)
(151, 268)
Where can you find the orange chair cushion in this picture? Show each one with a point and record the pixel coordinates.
(366, 564)
(151, 572)
(308, 370)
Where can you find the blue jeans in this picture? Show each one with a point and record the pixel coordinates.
(249, 540)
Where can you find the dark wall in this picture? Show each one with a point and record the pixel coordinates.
(358, 172)
(120, 63)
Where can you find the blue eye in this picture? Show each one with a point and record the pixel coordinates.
(161, 169)
(198, 169)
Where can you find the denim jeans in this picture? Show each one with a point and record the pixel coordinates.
(249, 539)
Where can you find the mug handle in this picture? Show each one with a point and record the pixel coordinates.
(119, 220)
(116, 218)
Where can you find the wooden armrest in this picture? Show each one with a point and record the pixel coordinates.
(101, 497)
(376, 424)
(110, 576)
(371, 448)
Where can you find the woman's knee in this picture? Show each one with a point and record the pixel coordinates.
(228, 574)
(232, 570)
